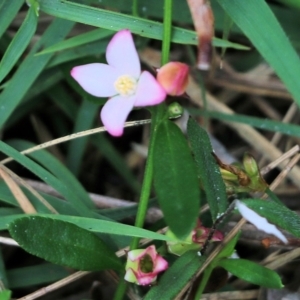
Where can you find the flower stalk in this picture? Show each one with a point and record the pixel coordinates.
(158, 113)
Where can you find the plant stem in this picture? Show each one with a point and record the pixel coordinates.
(168, 5)
(203, 283)
(157, 115)
(135, 11)
(146, 188)
(121, 290)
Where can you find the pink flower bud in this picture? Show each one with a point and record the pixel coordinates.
(194, 241)
(201, 233)
(143, 265)
(173, 77)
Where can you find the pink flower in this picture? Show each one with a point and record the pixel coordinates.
(143, 265)
(122, 80)
(173, 77)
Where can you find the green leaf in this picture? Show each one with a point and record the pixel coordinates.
(208, 170)
(30, 69)
(94, 49)
(39, 274)
(260, 27)
(8, 11)
(265, 124)
(176, 277)
(5, 295)
(81, 39)
(251, 272)
(228, 248)
(116, 160)
(277, 214)
(63, 243)
(115, 21)
(291, 3)
(84, 121)
(175, 179)
(95, 225)
(18, 44)
(61, 206)
(65, 190)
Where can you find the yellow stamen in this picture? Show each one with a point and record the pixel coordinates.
(126, 85)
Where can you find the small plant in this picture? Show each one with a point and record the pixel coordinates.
(195, 192)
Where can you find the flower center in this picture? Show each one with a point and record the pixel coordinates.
(125, 85)
(146, 264)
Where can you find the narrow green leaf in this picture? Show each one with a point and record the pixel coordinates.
(30, 69)
(8, 11)
(39, 274)
(228, 248)
(3, 274)
(95, 225)
(175, 179)
(62, 188)
(63, 243)
(176, 277)
(276, 49)
(277, 214)
(228, 23)
(84, 121)
(61, 206)
(273, 196)
(265, 124)
(291, 3)
(208, 170)
(251, 272)
(79, 40)
(116, 160)
(18, 44)
(115, 21)
(57, 169)
(91, 49)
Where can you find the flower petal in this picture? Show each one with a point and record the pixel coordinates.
(160, 264)
(149, 91)
(130, 276)
(96, 79)
(114, 113)
(136, 254)
(122, 55)
(146, 279)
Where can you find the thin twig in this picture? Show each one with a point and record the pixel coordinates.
(72, 137)
(20, 197)
(52, 287)
(279, 160)
(283, 174)
(18, 179)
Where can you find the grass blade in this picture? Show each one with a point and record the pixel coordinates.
(30, 69)
(116, 21)
(19, 43)
(8, 11)
(259, 24)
